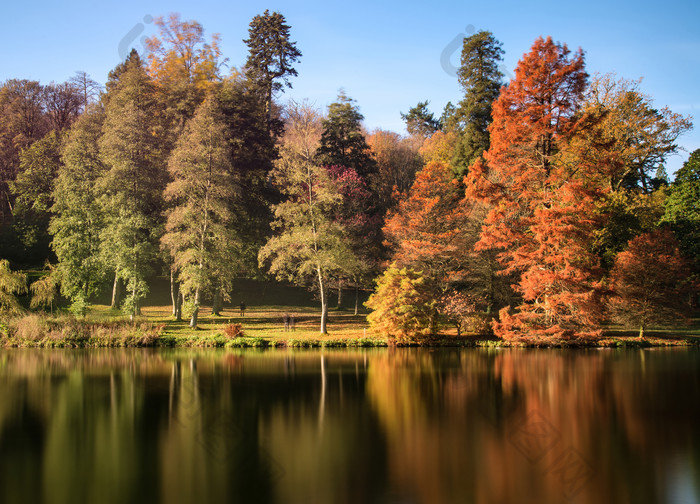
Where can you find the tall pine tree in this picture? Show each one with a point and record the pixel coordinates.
(78, 215)
(342, 140)
(481, 81)
(270, 60)
(131, 148)
(199, 233)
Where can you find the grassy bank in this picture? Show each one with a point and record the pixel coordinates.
(262, 327)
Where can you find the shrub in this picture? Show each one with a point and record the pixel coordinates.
(233, 331)
(31, 327)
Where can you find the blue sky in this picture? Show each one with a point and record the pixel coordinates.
(386, 56)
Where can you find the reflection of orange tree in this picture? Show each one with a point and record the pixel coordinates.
(452, 430)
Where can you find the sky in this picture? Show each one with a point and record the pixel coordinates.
(387, 56)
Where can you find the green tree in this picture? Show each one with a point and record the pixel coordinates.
(199, 233)
(420, 121)
(131, 147)
(682, 207)
(342, 141)
(45, 289)
(310, 245)
(271, 55)
(78, 215)
(11, 283)
(481, 81)
(184, 67)
(625, 215)
(252, 151)
(33, 188)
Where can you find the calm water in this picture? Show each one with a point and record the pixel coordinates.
(398, 426)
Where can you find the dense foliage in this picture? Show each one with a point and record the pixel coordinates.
(529, 208)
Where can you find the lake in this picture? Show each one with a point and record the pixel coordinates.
(350, 426)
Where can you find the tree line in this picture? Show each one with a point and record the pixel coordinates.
(534, 208)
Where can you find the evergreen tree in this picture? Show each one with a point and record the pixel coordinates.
(270, 59)
(481, 81)
(78, 215)
(199, 234)
(131, 147)
(252, 151)
(420, 121)
(342, 140)
(682, 208)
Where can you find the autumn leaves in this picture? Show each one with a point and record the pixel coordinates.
(535, 201)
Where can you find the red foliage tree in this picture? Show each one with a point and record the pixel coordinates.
(648, 281)
(541, 203)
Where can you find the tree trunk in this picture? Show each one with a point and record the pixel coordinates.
(115, 291)
(357, 298)
(340, 295)
(195, 312)
(641, 332)
(133, 297)
(178, 306)
(216, 303)
(324, 302)
(173, 290)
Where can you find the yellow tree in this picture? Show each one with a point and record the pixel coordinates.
(181, 54)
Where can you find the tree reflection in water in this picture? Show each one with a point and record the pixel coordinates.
(401, 425)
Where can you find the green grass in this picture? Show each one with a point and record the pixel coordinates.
(263, 327)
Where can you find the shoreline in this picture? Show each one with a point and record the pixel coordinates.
(221, 341)
(156, 329)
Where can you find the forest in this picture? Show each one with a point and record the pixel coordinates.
(531, 210)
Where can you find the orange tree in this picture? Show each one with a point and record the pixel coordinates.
(541, 203)
(648, 280)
